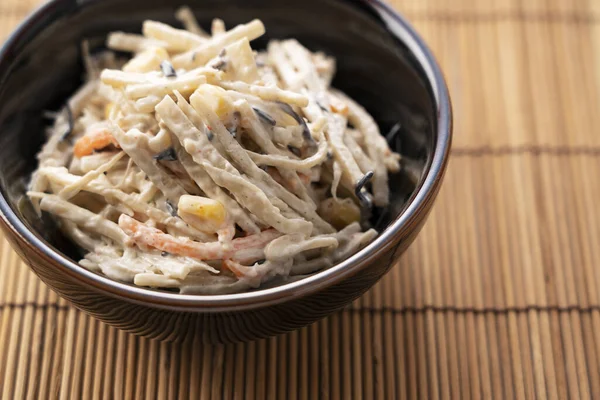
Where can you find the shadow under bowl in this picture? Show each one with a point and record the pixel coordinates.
(382, 63)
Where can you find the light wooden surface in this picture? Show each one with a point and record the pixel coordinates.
(498, 297)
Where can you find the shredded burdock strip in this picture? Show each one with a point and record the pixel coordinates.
(176, 39)
(185, 15)
(201, 165)
(203, 180)
(203, 53)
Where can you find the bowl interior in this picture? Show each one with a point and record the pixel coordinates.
(42, 66)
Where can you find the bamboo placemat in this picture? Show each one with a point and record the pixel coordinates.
(498, 297)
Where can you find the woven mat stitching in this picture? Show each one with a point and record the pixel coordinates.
(509, 15)
(527, 149)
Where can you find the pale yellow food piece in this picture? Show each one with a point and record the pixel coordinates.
(202, 213)
(108, 109)
(339, 212)
(216, 98)
(242, 61)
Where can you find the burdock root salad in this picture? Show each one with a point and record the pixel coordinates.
(201, 165)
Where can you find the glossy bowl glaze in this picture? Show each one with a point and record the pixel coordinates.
(382, 63)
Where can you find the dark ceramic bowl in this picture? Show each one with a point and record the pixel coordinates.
(382, 63)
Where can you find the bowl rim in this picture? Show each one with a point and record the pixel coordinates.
(413, 213)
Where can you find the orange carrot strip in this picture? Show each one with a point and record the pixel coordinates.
(339, 107)
(96, 140)
(145, 235)
(304, 178)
